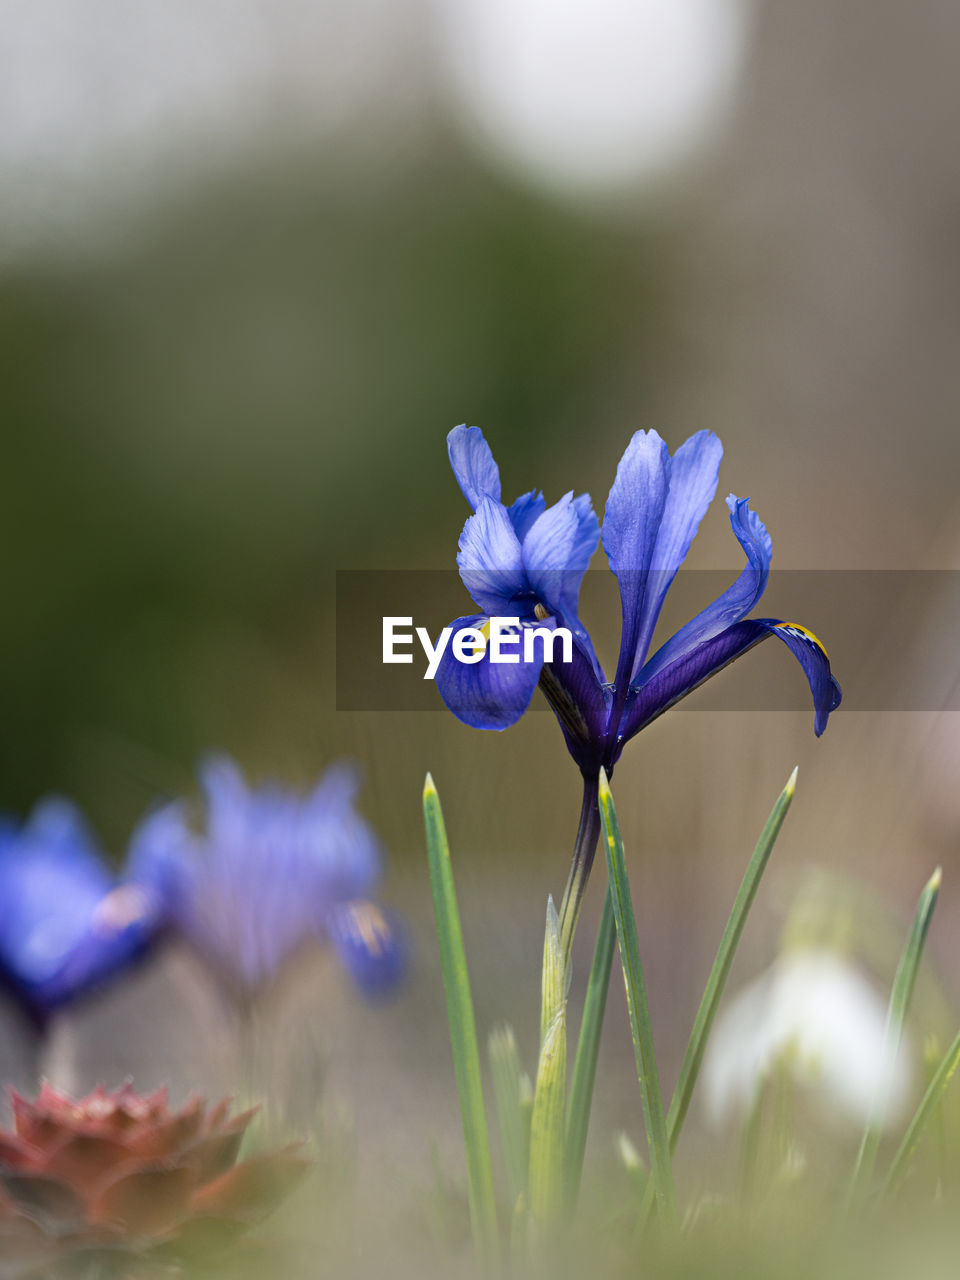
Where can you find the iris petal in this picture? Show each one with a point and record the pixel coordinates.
(527, 508)
(812, 656)
(162, 857)
(694, 470)
(485, 694)
(581, 701)
(477, 474)
(692, 668)
(557, 551)
(66, 925)
(734, 604)
(370, 943)
(631, 523)
(491, 564)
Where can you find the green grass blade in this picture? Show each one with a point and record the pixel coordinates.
(703, 1024)
(588, 1048)
(720, 972)
(900, 996)
(549, 1100)
(463, 1032)
(511, 1087)
(924, 1114)
(660, 1160)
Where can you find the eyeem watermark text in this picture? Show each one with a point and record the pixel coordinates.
(505, 639)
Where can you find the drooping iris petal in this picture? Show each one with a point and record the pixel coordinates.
(692, 668)
(525, 510)
(477, 474)
(370, 943)
(735, 603)
(485, 694)
(490, 560)
(694, 470)
(812, 656)
(631, 523)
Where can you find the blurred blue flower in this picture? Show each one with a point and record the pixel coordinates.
(269, 872)
(66, 923)
(527, 562)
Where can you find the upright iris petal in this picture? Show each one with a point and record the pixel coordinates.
(491, 560)
(556, 552)
(694, 470)
(66, 923)
(268, 872)
(631, 523)
(477, 474)
(526, 562)
(525, 510)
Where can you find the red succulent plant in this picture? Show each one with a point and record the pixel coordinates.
(116, 1182)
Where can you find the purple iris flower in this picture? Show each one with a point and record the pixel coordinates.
(269, 872)
(527, 562)
(66, 923)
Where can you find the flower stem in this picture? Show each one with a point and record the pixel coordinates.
(584, 849)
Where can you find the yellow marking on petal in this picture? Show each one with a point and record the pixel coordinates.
(121, 907)
(805, 633)
(369, 924)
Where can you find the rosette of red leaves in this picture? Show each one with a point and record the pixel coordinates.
(118, 1181)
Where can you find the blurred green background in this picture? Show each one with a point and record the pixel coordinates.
(231, 347)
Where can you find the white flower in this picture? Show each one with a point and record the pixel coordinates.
(594, 94)
(825, 1023)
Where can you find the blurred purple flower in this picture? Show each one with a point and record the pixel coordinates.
(66, 923)
(270, 872)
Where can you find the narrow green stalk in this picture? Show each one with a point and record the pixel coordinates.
(640, 1027)
(463, 1033)
(720, 972)
(511, 1089)
(549, 1100)
(900, 996)
(928, 1108)
(703, 1023)
(588, 1048)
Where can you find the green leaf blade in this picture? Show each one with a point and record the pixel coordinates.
(900, 997)
(513, 1093)
(463, 1032)
(640, 1027)
(726, 953)
(588, 1049)
(548, 1122)
(922, 1117)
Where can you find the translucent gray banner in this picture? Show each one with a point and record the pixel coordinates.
(893, 636)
